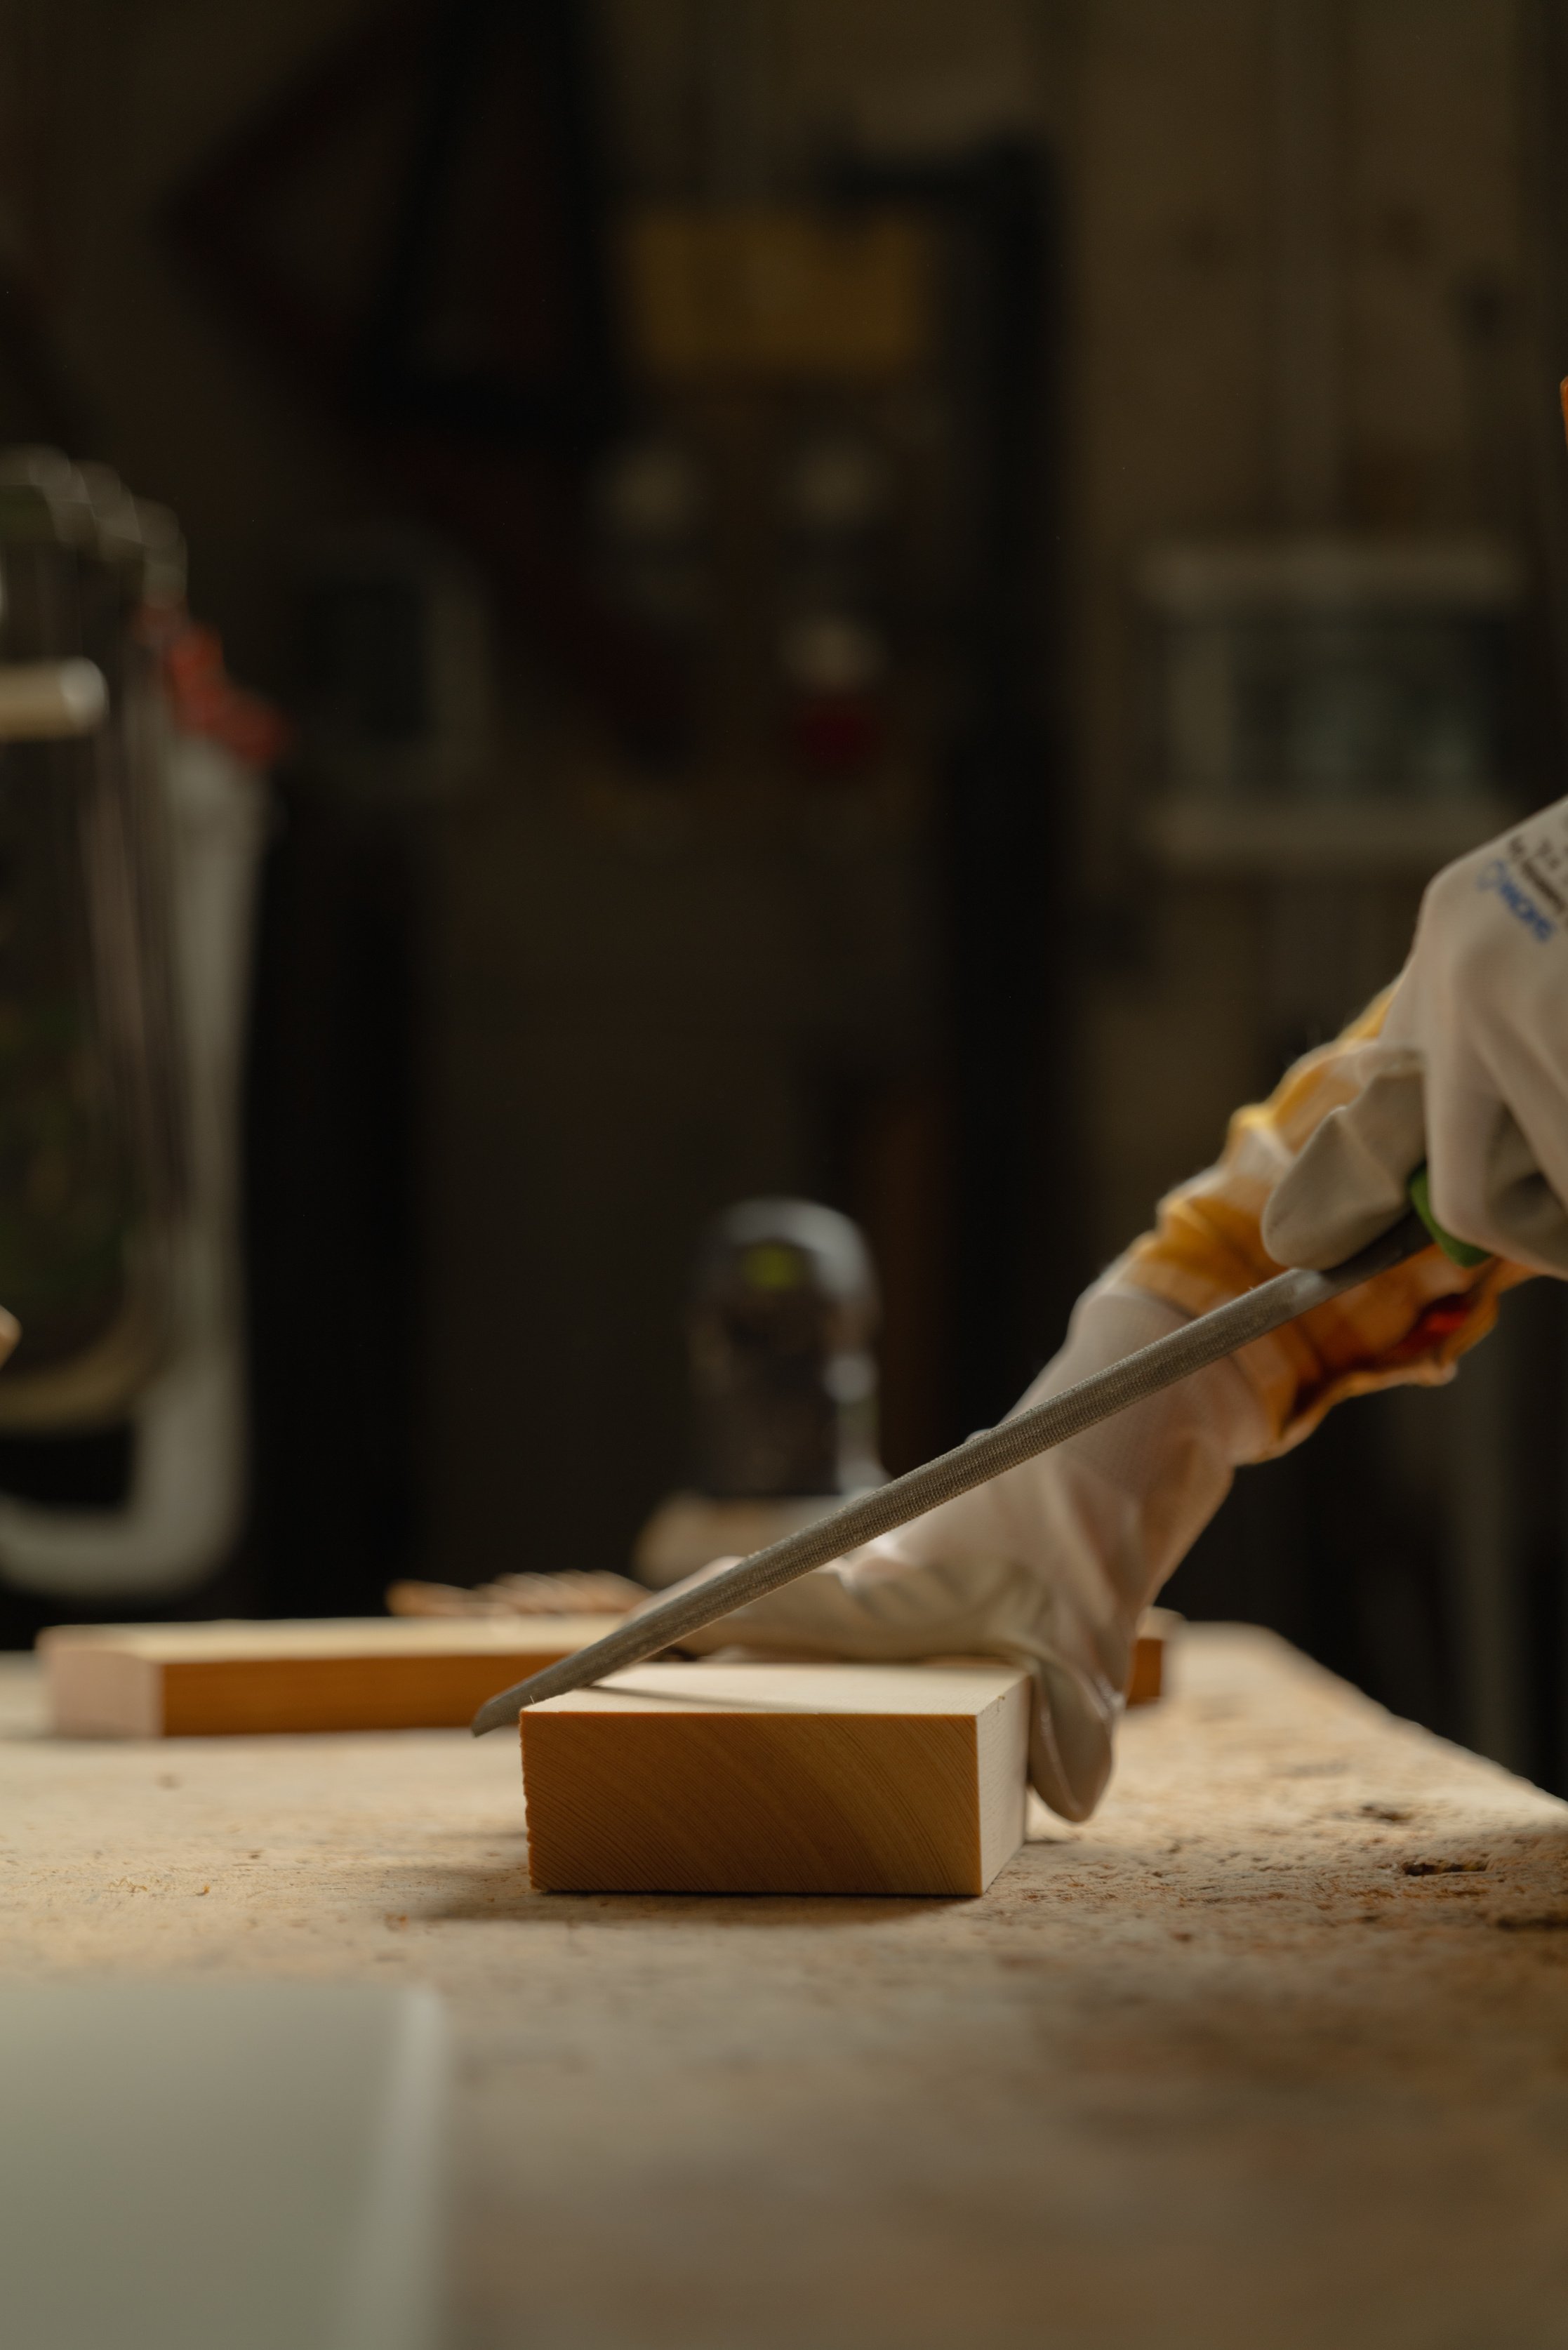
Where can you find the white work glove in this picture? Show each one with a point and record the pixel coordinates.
(1469, 1073)
(1050, 1566)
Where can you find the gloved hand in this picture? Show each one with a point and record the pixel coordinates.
(1050, 1566)
(1470, 1073)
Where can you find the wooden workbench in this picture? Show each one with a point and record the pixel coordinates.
(1273, 2053)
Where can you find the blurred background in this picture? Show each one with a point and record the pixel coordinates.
(884, 603)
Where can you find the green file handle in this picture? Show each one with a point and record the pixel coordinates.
(1458, 1252)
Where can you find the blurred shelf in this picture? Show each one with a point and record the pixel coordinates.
(1299, 574)
(1392, 840)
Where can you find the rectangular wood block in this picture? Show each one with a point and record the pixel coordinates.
(1145, 1682)
(757, 1778)
(212, 1680)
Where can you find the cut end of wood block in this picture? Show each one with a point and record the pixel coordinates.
(753, 1778)
(99, 1689)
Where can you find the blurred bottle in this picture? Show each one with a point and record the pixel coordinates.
(780, 1334)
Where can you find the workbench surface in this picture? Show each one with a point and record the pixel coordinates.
(1273, 2053)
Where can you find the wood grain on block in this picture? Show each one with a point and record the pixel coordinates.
(1156, 1632)
(211, 1681)
(755, 1778)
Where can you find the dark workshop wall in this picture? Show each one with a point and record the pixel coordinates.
(636, 989)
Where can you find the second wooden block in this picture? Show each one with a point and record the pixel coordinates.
(214, 1680)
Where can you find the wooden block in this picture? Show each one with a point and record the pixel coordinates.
(212, 1680)
(1155, 1633)
(755, 1778)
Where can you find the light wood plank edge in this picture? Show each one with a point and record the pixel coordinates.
(129, 1682)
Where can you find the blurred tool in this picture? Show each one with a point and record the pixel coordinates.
(130, 827)
(92, 1172)
(783, 1385)
(991, 1453)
